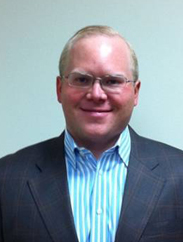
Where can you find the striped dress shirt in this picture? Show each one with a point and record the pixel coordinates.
(96, 188)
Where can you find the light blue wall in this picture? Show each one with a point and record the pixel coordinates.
(32, 36)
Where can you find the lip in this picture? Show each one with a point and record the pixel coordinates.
(96, 112)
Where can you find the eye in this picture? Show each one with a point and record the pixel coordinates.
(112, 81)
(80, 80)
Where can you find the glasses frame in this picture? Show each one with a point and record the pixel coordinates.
(94, 78)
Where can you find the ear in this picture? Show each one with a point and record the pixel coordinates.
(59, 89)
(136, 92)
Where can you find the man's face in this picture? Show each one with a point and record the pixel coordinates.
(93, 115)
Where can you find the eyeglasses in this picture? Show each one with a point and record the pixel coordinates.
(109, 83)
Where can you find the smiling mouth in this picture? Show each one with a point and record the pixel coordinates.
(95, 111)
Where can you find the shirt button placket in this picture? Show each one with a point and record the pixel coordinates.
(99, 211)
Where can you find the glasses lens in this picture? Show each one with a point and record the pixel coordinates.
(79, 80)
(113, 83)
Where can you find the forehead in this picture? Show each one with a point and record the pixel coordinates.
(100, 43)
(110, 53)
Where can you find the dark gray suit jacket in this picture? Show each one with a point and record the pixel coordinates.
(35, 204)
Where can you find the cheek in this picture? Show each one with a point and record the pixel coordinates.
(124, 106)
(124, 100)
(70, 98)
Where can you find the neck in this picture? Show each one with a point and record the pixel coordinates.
(98, 145)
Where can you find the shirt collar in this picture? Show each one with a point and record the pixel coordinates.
(122, 146)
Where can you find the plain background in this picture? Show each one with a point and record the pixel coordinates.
(32, 35)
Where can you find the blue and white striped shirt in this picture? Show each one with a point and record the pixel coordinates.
(96, 188)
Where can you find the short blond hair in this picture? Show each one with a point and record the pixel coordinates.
(92, 31)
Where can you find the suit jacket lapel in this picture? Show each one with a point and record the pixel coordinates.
(142, 191)
(51, 194)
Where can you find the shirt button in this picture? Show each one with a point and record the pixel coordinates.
(100, 173)
(99, 211)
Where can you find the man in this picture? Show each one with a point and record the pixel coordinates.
(99, 181)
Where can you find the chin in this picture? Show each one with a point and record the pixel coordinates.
(96, 134)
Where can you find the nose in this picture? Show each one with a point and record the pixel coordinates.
(96, 93)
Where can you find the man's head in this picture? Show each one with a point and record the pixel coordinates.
(97, 104)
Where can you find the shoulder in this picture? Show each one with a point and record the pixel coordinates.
(33, 153)
(169, 158)
(149, 145)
